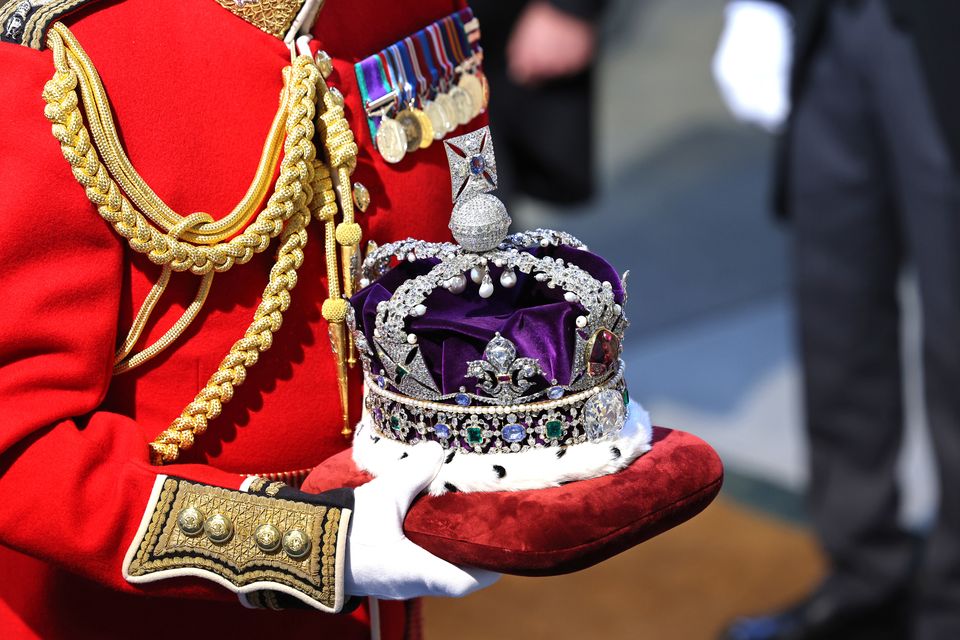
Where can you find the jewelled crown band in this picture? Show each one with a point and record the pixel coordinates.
(589, 416)
(517, 394)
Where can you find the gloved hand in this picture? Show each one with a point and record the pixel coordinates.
(381, 561)
(752, 63)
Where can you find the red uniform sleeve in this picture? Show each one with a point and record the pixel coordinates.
(74, 481)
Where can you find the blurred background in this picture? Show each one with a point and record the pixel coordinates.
(683, 202)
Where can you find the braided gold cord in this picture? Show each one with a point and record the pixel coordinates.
(268, 317)
(62, 110)
(232, 371)
(342, 154)
(100, 120)
(186, 318)
(306, 188)
(146, 309)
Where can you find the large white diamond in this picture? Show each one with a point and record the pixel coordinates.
(604, 414)
(500, 352)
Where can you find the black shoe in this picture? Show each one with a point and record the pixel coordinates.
(825, 616)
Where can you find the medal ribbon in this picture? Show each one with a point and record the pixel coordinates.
(461, 32)
(422, 83)
(422, 43)
(409, 74)
(418, 67)
(440, 53)
(449, 51)
(450, 31)
(374, 85)
(400, 74)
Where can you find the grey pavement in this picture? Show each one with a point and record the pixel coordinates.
(684, 207)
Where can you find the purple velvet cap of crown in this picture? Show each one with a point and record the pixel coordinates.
(457, 327)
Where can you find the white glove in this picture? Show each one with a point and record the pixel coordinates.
(752, 63)
(381, 561)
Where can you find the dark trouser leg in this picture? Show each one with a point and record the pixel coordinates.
(847, 253)
(928, 197)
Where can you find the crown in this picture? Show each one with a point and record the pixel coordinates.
(495, 344)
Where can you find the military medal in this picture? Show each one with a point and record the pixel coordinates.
(424, 86)
(456, 42)
(439, 118)
(413, 135)
(462, 104)
(474, 88)
(391, 140)
(399, 73)
(485, 84)
(427, 134)
(408, 53)
(445, 103)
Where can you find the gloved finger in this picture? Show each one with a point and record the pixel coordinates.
(441, 578)
(402, 482)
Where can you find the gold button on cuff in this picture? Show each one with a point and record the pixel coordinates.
(296, 544)
(190, 521)
(218, 528)
(267, 537)
(361, 196)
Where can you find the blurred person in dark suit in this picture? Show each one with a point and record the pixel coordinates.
(538, 57)
(868, 176)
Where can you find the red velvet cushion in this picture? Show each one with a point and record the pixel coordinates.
(562, 529)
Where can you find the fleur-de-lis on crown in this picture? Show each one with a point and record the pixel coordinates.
(501, 374)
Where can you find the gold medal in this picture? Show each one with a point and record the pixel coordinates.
(391, 140)
(448, 111)
(426, 128)
(474, 88)
(485, 85)
(411, 129)
(463, 107)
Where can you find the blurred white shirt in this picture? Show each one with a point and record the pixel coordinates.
(752, 63)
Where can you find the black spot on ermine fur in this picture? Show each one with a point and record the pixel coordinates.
(449, 457)
(405, 454)
(615, 451)
(449, 487)
(500, 470)
(375, 439)
(561, 452)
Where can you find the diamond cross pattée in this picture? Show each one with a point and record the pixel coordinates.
(406, 368)
(473, 167)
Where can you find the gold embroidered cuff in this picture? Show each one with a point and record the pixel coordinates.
(245, 542)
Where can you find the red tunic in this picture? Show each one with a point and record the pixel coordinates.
(194, 89)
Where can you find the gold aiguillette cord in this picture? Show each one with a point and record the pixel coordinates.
(203, 249)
